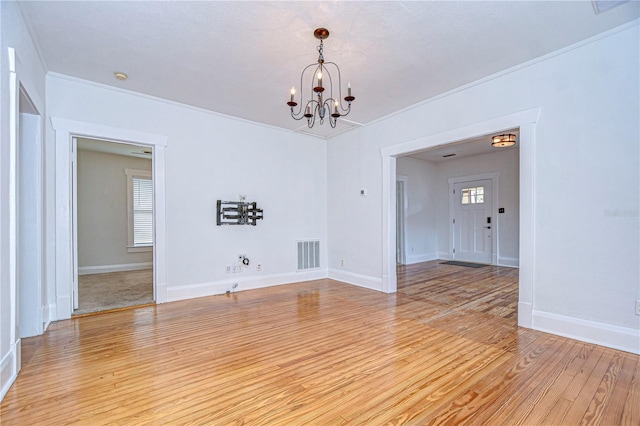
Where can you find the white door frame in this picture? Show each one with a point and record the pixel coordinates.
(526, 122)
(65, 245)
(18, 80)
(401, 221)
(494, 177)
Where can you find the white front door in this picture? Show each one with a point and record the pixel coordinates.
(472, 221)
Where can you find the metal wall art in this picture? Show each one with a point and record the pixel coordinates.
(237, 213)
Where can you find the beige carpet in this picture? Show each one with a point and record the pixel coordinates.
(101, 292)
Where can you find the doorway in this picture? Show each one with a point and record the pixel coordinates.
(29, 218)
(113, 225)
(525, 121)
(472, 221)
(400, 220)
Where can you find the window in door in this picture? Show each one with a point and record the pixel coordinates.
(473, 195)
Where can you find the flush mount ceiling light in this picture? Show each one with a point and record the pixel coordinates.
(503, 141)
(320, 105)
(120, 76)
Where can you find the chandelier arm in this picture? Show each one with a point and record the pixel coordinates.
(295, 117)
(300, 111)
(340, 89)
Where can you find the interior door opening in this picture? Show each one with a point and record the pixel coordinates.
(113, 225)
(400, 222)
(29, 218)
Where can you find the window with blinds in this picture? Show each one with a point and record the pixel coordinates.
(142, 211)
(139, 210)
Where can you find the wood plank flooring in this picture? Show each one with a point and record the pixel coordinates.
(444, 350)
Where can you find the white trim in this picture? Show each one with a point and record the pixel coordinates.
(178, 104)
(48, 315)
(494, 177)
(508, 71)
(424, 257)
(139, 249)
(13, 220)
(509, 262)
(243, 283)
(525, 121)
(103, 269)
(612, 336)
(9, 367)
(65, 129)
(372, 283)
(405, 208)
(525, 314)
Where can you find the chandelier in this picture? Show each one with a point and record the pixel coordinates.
(322, 103)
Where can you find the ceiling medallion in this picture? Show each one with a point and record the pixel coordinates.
(321, 85)
(503, 141)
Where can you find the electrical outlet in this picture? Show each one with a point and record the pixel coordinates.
(259, 267)
(638, 307)
(342, 263)
(234, 269)
(239, 268)
(227, 269)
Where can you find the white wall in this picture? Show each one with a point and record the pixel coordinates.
(586, 233)
(30, 74)
(102, 211)
(421, 209)
(212, 157)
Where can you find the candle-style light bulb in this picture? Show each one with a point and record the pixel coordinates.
(293, 92)
(319, 78)
(336, 107)
(349, 88)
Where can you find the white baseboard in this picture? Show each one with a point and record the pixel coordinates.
(103, 269)
(612, 336)
(244, 283)
(525, 315)
(9, 367)
(417, 258)
(161, 293)
(444, 255)
(63, 308)
(511, 262)
(372, 283)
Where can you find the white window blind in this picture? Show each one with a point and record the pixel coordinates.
(142, 211)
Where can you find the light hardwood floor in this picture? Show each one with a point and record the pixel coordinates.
(444, 350)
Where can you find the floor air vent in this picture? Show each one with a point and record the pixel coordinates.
(308, 255)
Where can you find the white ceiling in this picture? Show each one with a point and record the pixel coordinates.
(466, 148)
(240, 58)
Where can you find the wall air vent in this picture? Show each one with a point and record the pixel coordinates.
(308, 255)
